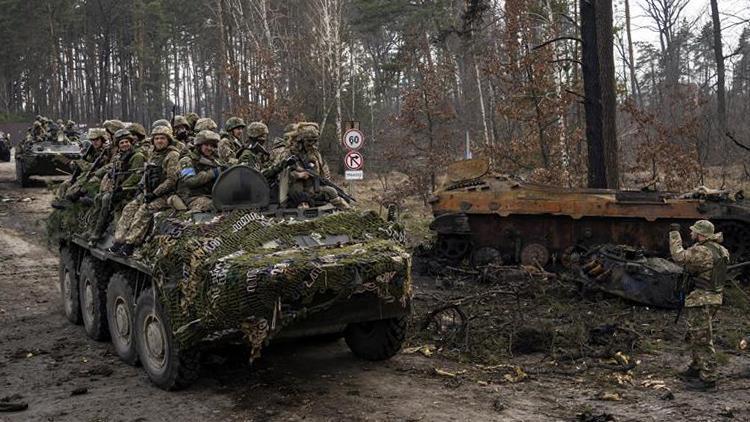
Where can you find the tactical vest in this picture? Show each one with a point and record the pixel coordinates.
(718, 272)
(154, 173)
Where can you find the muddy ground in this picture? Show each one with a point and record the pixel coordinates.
(61, 375)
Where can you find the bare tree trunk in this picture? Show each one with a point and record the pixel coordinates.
(599, 88)
(481, 104)
(634, 88)
(720, 71)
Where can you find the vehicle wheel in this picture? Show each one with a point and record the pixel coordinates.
(166, 365)
(4, 154)
(69, 286)
(21, 176)
(92, 282)
(120, 317)
(376, 340)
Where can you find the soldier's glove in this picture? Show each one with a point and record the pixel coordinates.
(674, 227)
(148, 197)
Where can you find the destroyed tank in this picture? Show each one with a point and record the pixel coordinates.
(484, 217)
(38, 159)
(250, 270)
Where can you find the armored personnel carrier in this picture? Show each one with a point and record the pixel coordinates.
(38, 159)
(250, 270)
(4, 147)
(486, 217)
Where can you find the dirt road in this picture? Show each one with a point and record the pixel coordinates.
(63, 376)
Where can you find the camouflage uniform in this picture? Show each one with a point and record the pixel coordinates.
(123, 175)
(702, 304)
(86, 182)
(198, 174)
(254, 153)
(229, 145)
(301, 183)
(136, 216)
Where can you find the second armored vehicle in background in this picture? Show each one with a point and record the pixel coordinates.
(38, 159)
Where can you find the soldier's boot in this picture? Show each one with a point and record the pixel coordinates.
(61, 204)
(340, 203)
(690, 373)
(75, 195)
(86, 200)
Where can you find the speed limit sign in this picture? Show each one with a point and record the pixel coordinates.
(354, 139)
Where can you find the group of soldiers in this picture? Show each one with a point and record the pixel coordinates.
(130, 175)
(44, 129)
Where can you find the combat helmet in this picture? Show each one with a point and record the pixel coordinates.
(123, 134)
(96, 132)
(161, 122)
(705, 228)
(162, 130)
(233, 123)
(205, 123)
(192, 118)
(257, 130)
(113, 125)
(206, 137)
(137, 129)
(180, 121)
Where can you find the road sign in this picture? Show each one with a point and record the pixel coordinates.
(354, 160)
(354, 175)
(354, 139)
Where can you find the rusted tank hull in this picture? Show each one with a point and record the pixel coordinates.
(541, 224)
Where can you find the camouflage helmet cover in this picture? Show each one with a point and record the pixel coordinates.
(206, 137)
(257, 129)
(704, 228)
(192, 118)
(233, 123)
(113, 125)
(205, 123)
(122, 134)
(96, 132)
(137, 129)
(307, 132)
(180, 121)
(162, 130)
(161, 122)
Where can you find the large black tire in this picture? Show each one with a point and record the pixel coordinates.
(169, 367)
(376, 340)
(21, 177)
(4, 152)
(69, 286)
(120, 317)
(92, 285)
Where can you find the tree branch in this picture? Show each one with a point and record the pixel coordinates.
(736, 142)
(554, 40)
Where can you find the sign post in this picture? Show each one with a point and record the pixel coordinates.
(354, 161)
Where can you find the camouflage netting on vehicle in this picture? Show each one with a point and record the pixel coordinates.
(243, 270)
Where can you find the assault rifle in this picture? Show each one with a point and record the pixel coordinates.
(320, 180)
(98, 162)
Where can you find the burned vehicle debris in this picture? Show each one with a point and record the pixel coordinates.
(250, 269)
(485, 217)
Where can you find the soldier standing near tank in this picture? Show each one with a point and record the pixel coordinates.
(123, 175)
(160, 180)
(706, 264)
(254, 153)
(198, 172)
(231, 143)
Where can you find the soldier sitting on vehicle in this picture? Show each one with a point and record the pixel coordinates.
(254, 153)
(311, 168)
(231, 142)
(706, 264)
(181, 129)
(71, 132)
(192, 118)
(83, 182)
(119, 181)
(199, 171)
(137, 130)
(160, 180)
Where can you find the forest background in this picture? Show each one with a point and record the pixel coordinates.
(428, 80)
